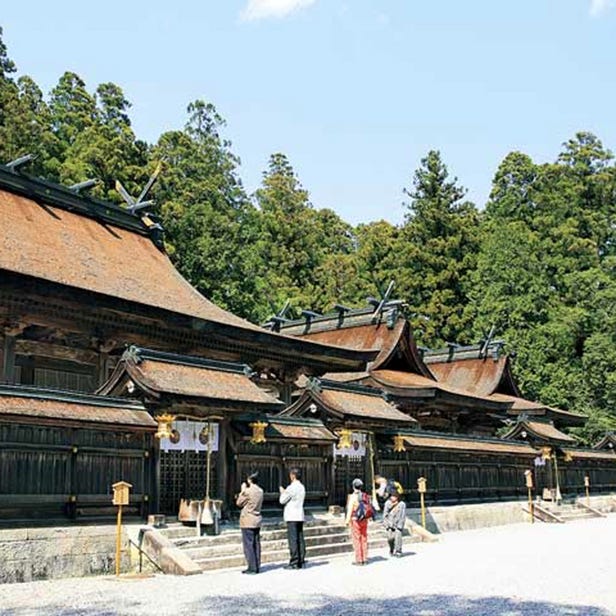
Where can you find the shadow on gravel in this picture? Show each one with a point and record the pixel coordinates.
(321, 605)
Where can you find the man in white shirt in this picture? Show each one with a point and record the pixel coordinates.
(292, 497)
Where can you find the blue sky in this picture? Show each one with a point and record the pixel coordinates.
(355, 92)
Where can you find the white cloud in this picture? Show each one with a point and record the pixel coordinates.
(262, 9)
(600, 6)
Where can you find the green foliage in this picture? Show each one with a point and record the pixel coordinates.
(209, 221)
(539, 262)
(546, 277)
(438, 248)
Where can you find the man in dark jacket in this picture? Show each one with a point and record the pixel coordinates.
(394, 519)
(250, 500)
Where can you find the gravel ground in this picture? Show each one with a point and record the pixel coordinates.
(540, 569)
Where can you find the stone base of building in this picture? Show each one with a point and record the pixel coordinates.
(29, 554)
(468, 517)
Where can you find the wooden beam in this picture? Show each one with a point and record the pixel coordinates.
(56, 351)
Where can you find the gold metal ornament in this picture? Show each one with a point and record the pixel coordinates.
(345, 439)
(568, 457)
(399, 446)
(546, 453)
(164, 426)
(258, 432)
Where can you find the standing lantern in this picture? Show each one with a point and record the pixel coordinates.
(422, 488)
(587, 486)
(121, 497)
(529, 485)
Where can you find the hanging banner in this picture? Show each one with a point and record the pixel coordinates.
(357, 448)
(190, 436)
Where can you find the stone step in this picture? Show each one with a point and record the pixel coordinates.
(282, 556)
(228, 549)
(578, 515)
(235, 535)
(570, 512)
(179, 531)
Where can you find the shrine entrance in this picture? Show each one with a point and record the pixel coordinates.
(183, 464)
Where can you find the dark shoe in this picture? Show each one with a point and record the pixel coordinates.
(398, 554)
(290, 567)
(250, 572)
(357, 563)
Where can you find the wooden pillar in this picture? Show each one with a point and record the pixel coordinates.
(8, 359)
(222, 468)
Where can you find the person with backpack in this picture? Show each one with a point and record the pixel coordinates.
(358, 511)
(394, 519)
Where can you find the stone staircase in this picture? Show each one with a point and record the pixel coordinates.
(567, 511)
(325, 537)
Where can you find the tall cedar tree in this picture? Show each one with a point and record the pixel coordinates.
(546, 276)
(438, 249)
(209, 221)
(304, 253)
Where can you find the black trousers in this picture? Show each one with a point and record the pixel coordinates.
(251, 541)
(297, 545)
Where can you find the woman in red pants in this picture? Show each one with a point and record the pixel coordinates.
(358, 512)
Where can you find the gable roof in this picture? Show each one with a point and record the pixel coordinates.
(348, 402)
(521, 405)
(50, 233)
(540, 431)
(488, 373)
(386, 332)
(608, 441)
(160, 374)
(412, 387)
(287, 428)
(94, 251)
(478, 375)
(35, 405)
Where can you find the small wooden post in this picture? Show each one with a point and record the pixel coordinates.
(529, 485)
(421, 487)
(587, 486)
(121, 496)
(119, 540)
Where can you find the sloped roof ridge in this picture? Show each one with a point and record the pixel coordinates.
(70, 397)
(63, 197)
(138, 354)
(341, 320)
(454, 353)
(351, 388)
(277, 418)
(446, 436)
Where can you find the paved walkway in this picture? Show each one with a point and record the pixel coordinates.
(540, 569)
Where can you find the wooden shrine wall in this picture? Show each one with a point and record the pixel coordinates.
(602, 474)
(458, 477)
(67, 473)
(273, 461)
